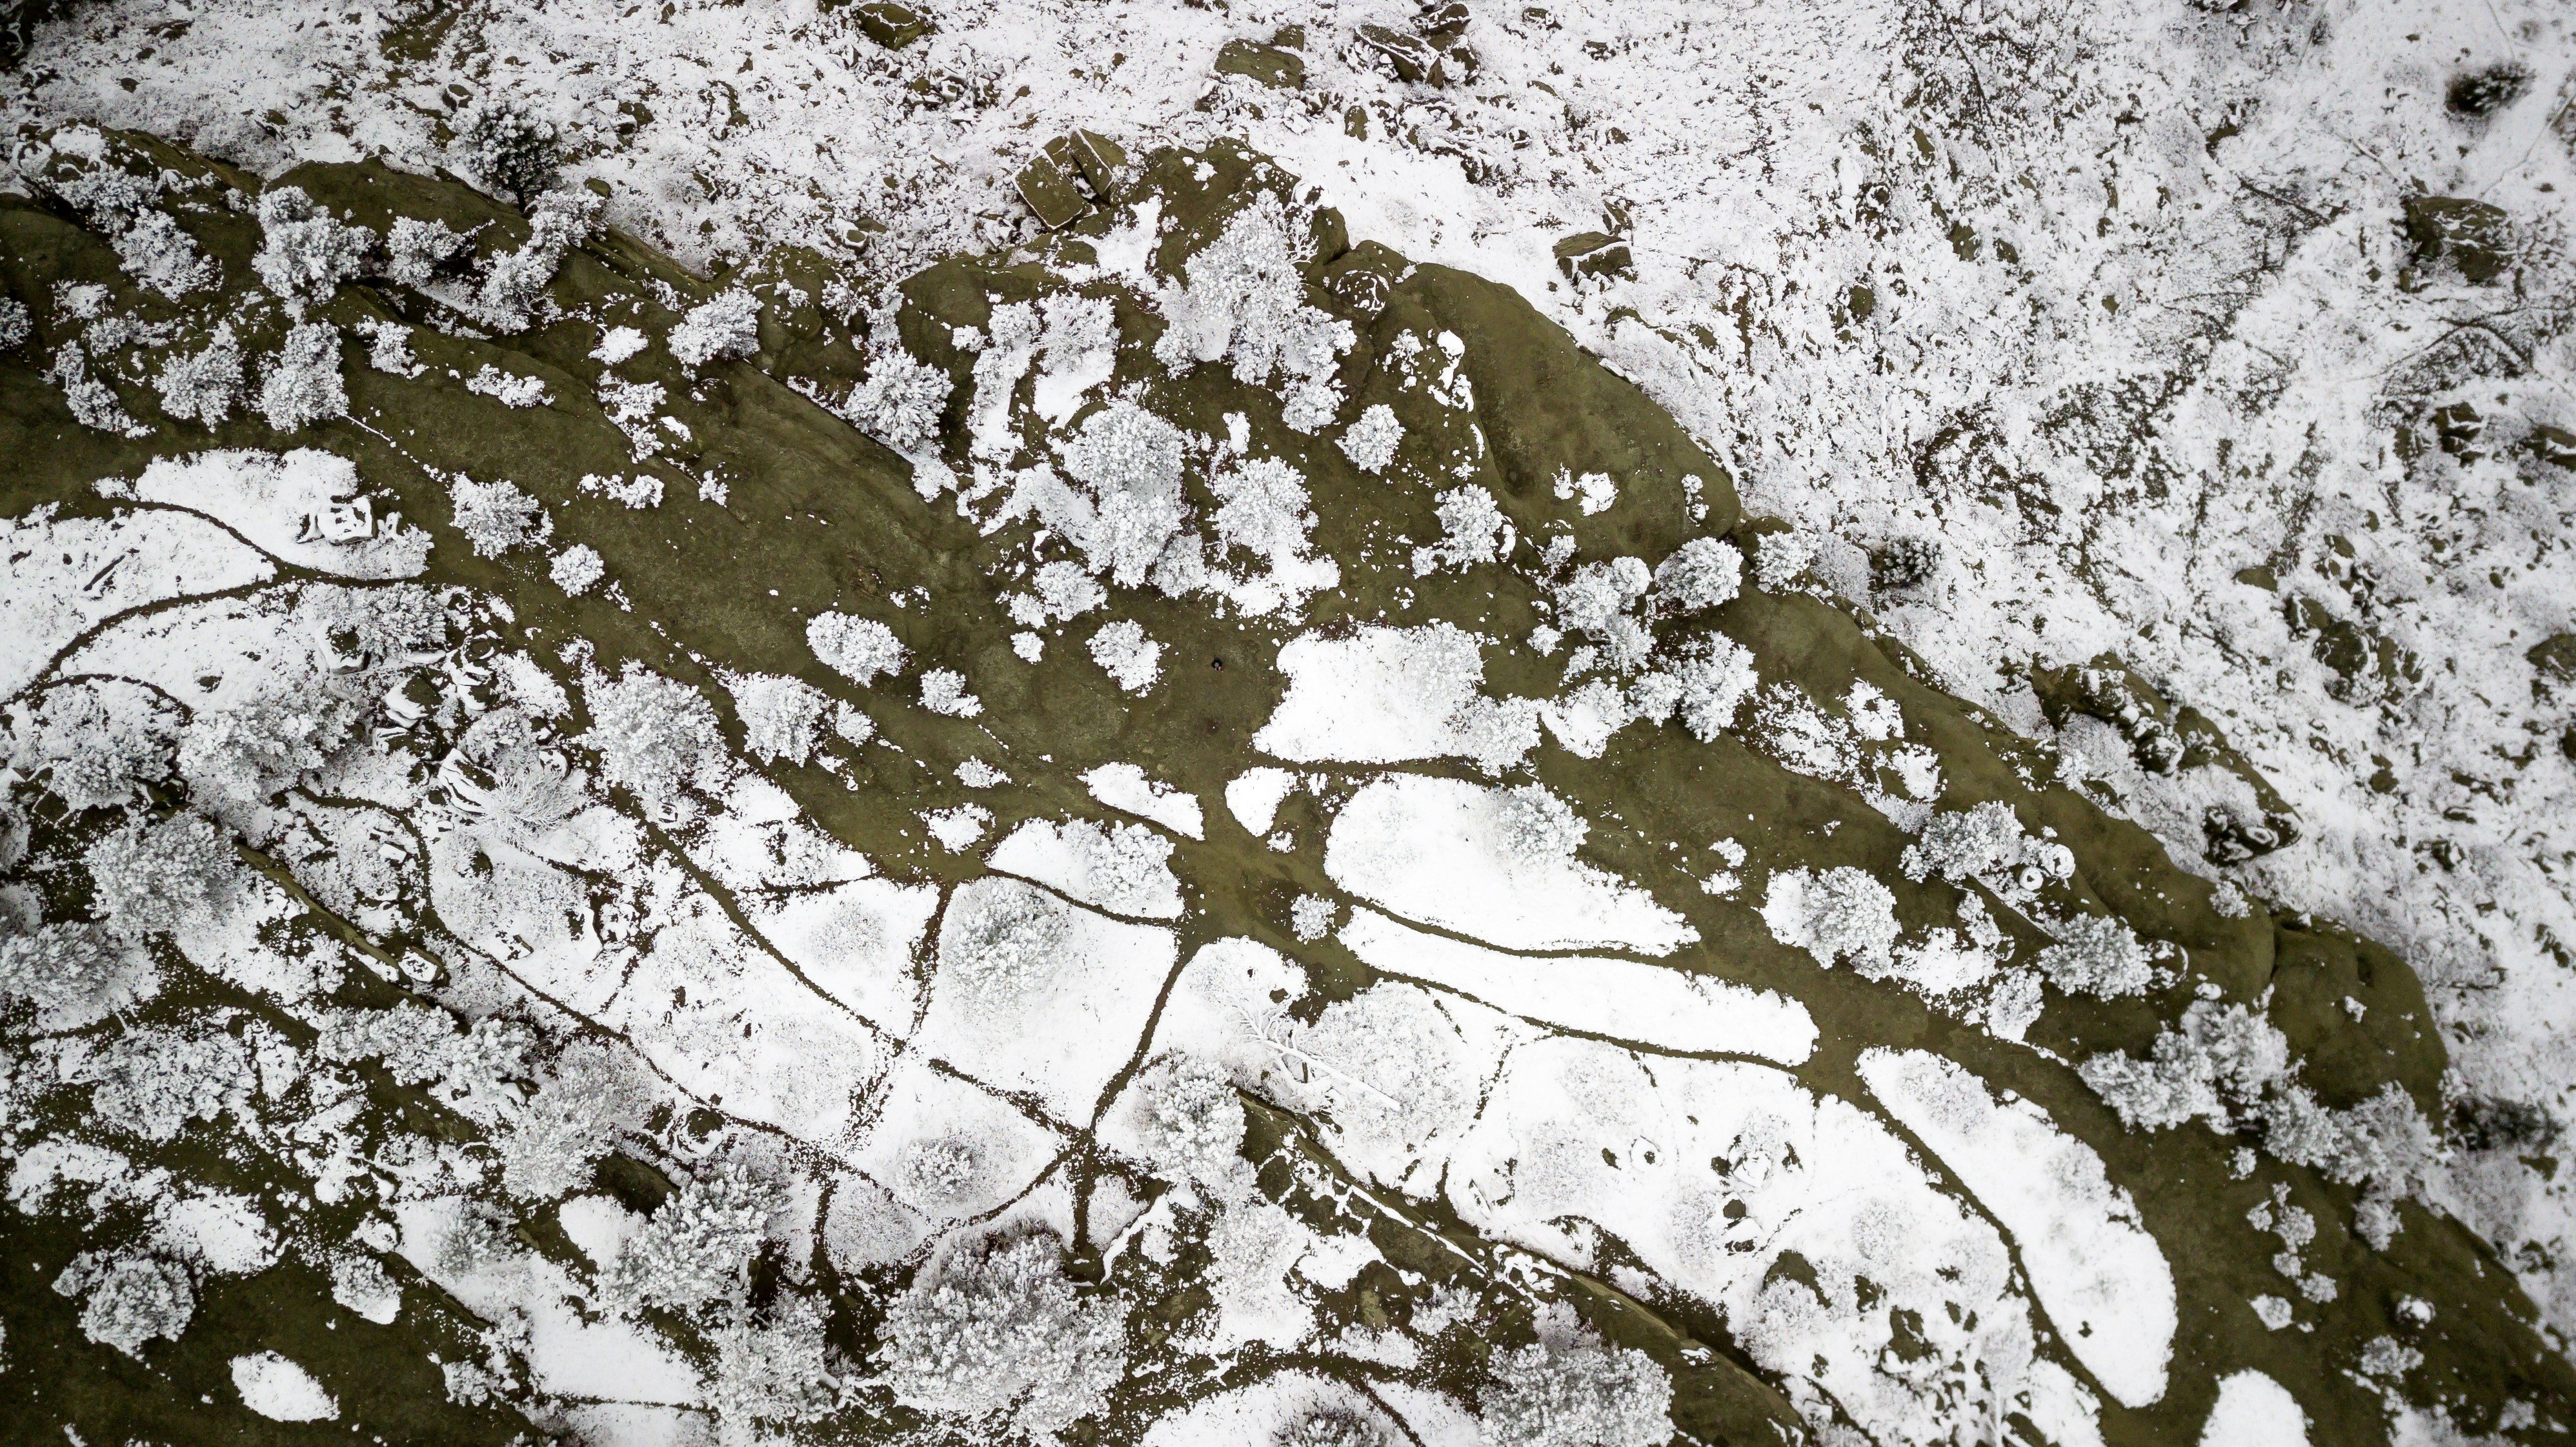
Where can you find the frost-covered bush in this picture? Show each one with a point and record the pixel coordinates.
(473, 1071)
(154, 251)
(775, 1372)
(508, 151)
(1539, 826)
(550, 1145)
(2382, 1144)
(1580, 1395)
(577, 569)
(301, 384)
(782, 717)
(1841, 914)
(1493, 734)
(150, 1081)
(74, 975)
(418, 252)
(149, 878)
(997, 1339)
(1190, 1124)
(531, 788)
(1713, 676)
(244, 755)
(1004, 937)
(1131, 660)
(133, 1299)
(944, 1169)
(1063, 591)
(856, 648)
(497, 516)
(206, 386)
(305, 252)
(89, 753)
(943, 691)
(1701, 573)
(1311, 916)
(1130, 460)
(1594, 602)
(2099, 956)
(899, 401)
(1472, 530)
(724, 326)
(1370, 442)
(93, 403)
(2215, 1066)
(16, 324)
(1261, 508)
(1244, 299)
(1331, 1426)
(655, 735)
(514, 283)
(697, 1249)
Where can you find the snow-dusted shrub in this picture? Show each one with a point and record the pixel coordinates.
(497, 516)
(1701, 573)
(1713, 675)
(90, 754)
(1261, 508)
(474, 1072)
(149, 878)
(641, 491)
(1190, 1123)
(1311, 916)
(305, 252)
(16, 324)
(577, 569)
(776, 1372)
(1063, 592)
(1130, 460)
(507, 388)
(1493, 734)
(1539, 826)
(74, 975)
(550, 1145)
(1004, 937)
(417, 251)
(507, 151)
(1779, 558)
(2383, 1144)
(781, 717)
(2215, 1066)
(996, 1338)
(133, 1299)
(532, 789)
(723, 326)
(944, 1169)
(150, 1081)
(1841, 914)
(697, 1248)
(514, 283)
(2099, 956)
(301, 384)
(943, 691)
(655, 735)
(389, 348)
(93, 403)
(1583, 1394)
(899, 401)
(244, 755)
(1472, 530)
(1245, 300)
(1594, 602)
(204, 386)
(856, 648)
(154, 251)
(1332, 1426)
(1370, 442)
(1131, 660)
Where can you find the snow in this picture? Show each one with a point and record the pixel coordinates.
(1263, 1411)
(1125, 869)
(1125, 787)
(2252, 1410)
(598, 1225)
(1057, 1016)
(281, 1391)
(992, 1152)
(60, 578)
(1254, 797)
(1655, 1006)
(2100, 1276)
(1436, 851)
(855, 940)
(1380, 696)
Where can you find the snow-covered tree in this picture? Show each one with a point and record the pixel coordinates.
(1245, 300)
(944, 691)
(859, 649)
(2099, 956)
(997, 1339)
(1594, 601)
(1190, 1124)
(1539, 826)
(497, 516)
(577, 569)
(93, 403)
(1840, 914)
(1131, 660)
(1701, 573)
(1262, 508)
(1714, 675)
(900, 400)
(134, 1298)
(1371, 441)
(774, 1371)
(1130, 460)
(73, 975)
(697, 1249)
(507, 150)
(1472, 530)
(1583, 1394)
(305, 252)
(204, 386)
(301, 384)
(149, 878)
(727, 325)
(583, 1095)
(91, 753)
(782, 717)
(1003, 938)
(418, 252)
(151, 1081)
(655, 735)
(156, 252)
(2215, 1065)
(245, 754)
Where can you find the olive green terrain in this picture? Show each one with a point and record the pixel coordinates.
(818, 517)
